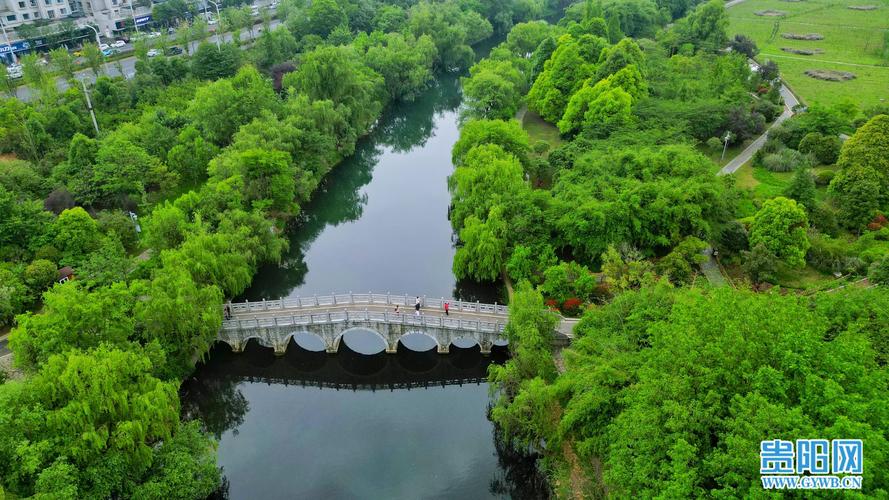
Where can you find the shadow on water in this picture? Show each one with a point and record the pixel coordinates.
(215, 393)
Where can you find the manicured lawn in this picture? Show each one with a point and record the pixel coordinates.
(852, 42)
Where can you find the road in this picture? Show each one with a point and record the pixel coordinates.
(128, 64)
(789, 102)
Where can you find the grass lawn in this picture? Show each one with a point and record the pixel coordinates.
(765, 184)
(540, 130)
(852, 42)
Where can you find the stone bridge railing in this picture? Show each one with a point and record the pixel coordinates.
(344, 299)
(273, 323)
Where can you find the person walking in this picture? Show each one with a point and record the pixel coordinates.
(396, 308)
(447, 306)
(227, 312)
(417, 305)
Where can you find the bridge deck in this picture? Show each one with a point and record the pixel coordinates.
(376, 308)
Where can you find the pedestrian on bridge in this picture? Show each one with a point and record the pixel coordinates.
(227, 312)
(447, 306)
(417, 305)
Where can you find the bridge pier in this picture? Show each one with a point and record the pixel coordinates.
(485, 346)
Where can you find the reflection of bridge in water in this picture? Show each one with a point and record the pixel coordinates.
(349, 370)
(274, 323)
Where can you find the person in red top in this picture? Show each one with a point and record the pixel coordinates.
(447, 305)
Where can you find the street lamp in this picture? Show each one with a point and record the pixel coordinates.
(218, 19)
(6, 36)
(133, 11)
(90, 26)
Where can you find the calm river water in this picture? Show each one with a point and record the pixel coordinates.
(405, 426)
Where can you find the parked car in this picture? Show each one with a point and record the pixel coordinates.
(118, 44)
(108, 52)
(154, 34)
(212, 22)
(174, 51)
(153, 53)
(104, 46)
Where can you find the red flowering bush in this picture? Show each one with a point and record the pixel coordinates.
(572, 306)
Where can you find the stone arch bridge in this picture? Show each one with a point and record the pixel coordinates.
(274, 323)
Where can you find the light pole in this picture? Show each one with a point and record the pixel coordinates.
(90, 26)
(725, 139)
(6, 36)
(218, 19)
(133, 11)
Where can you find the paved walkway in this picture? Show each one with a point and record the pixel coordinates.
(711, 270)
(737, 162)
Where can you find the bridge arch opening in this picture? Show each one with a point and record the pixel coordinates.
(308, 341)
(362, 340)
(418, 341)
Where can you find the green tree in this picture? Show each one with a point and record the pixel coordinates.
(166, 227)
(679, 264)
(780, 226)
(405, 63)
(96, 425)
(857, 191)
(524, 38)
(802, 188)
(76, 235)
(337, 74)
(63, 62)
(482, 256)
(40, 275)
(180, 314)
(221, 107)
(73, 318)
(212, 63)
(191, 154)
(14, 295)
(324, 16)
(34, 73)
(493, 90)
(508, 134)
(572, 62)
(93, 56)
(268, 178)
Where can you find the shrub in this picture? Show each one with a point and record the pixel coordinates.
(824, 148)
(789, 133)
(824, 177)
(878, 273)
(767, 109)
(540, 147)
(829, 255)
(572, 306)
(552, 304)
(785, 161)
(732, 238)
(714, 143)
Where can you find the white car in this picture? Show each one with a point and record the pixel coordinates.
(118, 44)
(104, 46)
(153, 53)
(154, 34)
(212, 22)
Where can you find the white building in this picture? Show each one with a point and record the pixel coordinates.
(14, 13)
(110, 16)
